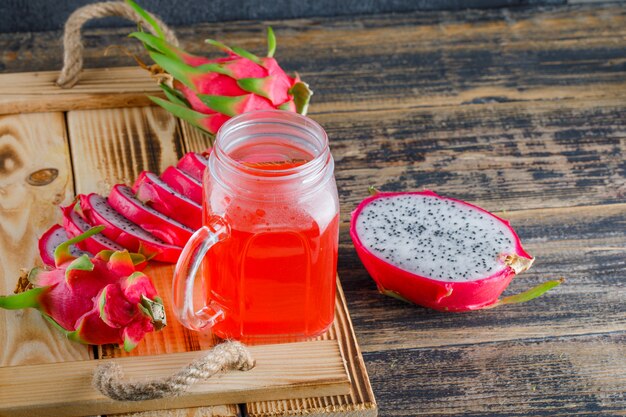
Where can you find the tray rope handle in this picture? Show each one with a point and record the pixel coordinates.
(109, 379)
(73, 42)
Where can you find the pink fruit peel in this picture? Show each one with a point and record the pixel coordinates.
(93, 300)
(439, 252)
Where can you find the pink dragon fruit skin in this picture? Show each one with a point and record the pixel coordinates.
(404, 223)
(97, 300)
(207, 92)
(183, 183)
(193, 164)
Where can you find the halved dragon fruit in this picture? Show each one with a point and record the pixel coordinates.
(123, 200)
(151, 190)
(51, 240)
(183, 183)
(439, 252)
(75, 226)
(124, 232)
(193, 164)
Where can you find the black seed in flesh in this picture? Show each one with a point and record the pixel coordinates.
(453, 241)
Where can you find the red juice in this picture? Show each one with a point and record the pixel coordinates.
(275, 274)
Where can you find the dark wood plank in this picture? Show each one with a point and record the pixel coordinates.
(408, 59)
(559, 377)
(504, 156)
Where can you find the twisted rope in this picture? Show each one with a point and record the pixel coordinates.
(108, 377)
(73, 43)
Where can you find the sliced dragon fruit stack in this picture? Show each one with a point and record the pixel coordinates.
(439, 252)
(75, 226)
(193, 164)
(153, 217)
(125, 232)
(123, 200)
(183, 183)
(154, 192)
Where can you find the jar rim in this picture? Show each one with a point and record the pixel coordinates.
(275, 117)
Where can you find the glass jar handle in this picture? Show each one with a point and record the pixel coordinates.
(185, 275)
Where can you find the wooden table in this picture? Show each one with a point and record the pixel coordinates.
(522, 111)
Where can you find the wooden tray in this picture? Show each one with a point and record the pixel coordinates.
(85, 140)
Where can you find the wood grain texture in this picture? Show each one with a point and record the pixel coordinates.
(560, 377)
(29, 143)
(194, 139)
(114, 145)
(304, 369)
(113, 88)
(505, 156)
(360, 402)
(390, 61)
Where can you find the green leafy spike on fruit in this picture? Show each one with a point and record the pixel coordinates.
(185, 113)
(222, 104)
(158, 44)
(183, 72)
(26, 299)
(256, 86)
(301, 96)
(219, 45)
(271, 42)
(146, 16)
(249, 55)
(174, 96)
(62, 252)
(529, 294)
(82, 263)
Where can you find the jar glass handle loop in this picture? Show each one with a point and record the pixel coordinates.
(194, 317)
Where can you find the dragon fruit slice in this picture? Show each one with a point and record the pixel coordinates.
(75, 225)
(207, 92)
(93, 300)
(193, 164)
(123, 200)
(183, 183)
(439, 252)
(124, 232)
(50, 240)
(152, 191)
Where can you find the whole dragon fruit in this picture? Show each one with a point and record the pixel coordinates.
(96, 300)
(207, 92)
(439, 252)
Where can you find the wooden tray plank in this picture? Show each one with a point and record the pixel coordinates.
(294, 369)
(117, 144)
(112, 146)
(193, 139)
(29, 143)
(28, 92)
(359, 402)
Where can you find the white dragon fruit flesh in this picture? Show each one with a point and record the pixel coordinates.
(439, 252)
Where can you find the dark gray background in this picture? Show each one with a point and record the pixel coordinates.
(40, 15)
